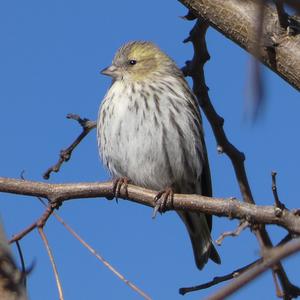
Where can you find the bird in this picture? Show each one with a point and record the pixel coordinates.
(149, 131)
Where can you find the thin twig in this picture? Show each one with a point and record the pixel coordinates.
(271, 258)
(58, 283)
(279, 292)
(234, 274)
(97, 255)
(65, 154)
(20, 235)
(278, 203)
(104, 261)
(218, 279)
(285, 240)
(243, 225)
(40, 222)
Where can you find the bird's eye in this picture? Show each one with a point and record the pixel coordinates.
(132, 62)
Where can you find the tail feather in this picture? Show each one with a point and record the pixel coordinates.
(199, 233)
(214, 255)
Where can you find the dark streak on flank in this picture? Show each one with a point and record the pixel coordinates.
(111, 111)
(119, 129)
(136, 107)
(103, 115)
(175, 107)
(145, 100)
(132, 88)
(147, 93)
(175, 125)
(160, 89)
(194, 129)
(156, 102)
(169, 87)
(104, 139)
(152, 87)
(155, 121)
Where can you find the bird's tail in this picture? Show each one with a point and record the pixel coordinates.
(199, 233)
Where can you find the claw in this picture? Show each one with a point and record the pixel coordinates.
(118, 184)
(161, 200)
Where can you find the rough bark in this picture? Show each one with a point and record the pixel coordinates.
(238, 21)
(232, 208)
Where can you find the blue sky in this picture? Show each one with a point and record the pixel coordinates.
(50, 56)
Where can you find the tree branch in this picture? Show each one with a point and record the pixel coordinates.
(218, 279)
(242, 226)
(102, 259)
(237, 20)
(53, 264)
(270, 258)
(195, 69)
(231, 208)
(275, 193)
(65, 154)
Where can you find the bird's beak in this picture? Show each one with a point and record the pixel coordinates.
(111, 71)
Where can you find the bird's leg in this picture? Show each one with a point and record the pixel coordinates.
(161, 200)
(119, 183)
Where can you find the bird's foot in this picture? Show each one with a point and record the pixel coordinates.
(161, 200)
(118, 184)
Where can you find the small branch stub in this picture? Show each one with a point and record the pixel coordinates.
(65, 154)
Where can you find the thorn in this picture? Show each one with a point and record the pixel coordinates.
(187, 40)
(190, 16)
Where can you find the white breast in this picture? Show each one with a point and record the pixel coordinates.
(139, 142)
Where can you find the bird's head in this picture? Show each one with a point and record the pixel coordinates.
(136, 61)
